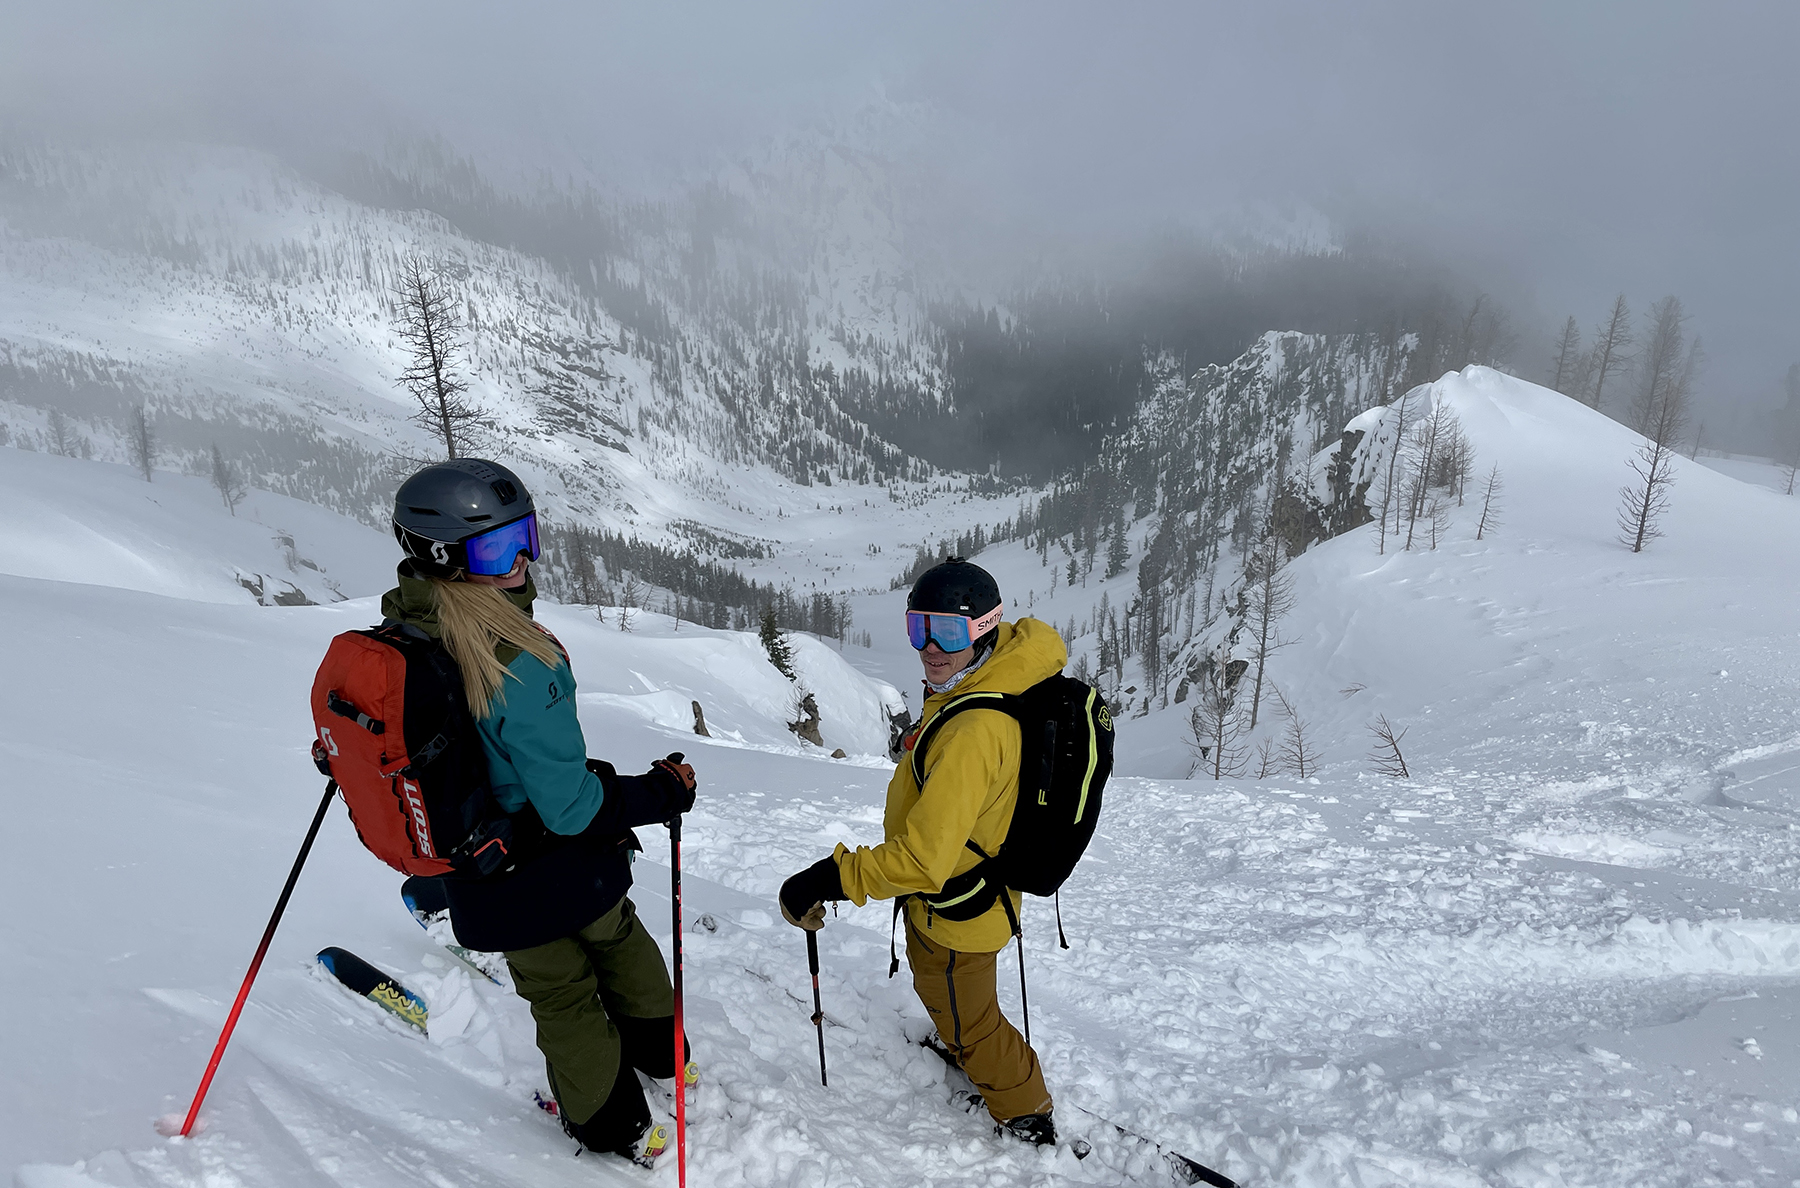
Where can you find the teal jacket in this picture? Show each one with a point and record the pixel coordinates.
(535, 750)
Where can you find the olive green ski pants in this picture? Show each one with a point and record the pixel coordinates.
(577, 987)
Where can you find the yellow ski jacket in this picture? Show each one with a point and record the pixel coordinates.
(971, 785)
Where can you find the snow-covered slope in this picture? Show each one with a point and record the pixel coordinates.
(73, 520)
(1565, 952)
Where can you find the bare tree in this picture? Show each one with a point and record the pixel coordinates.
(1583, 374)
(1456, 462)
(140, 440)
(1297, 752)
(1268, 761)
(1793, 468)
(1612, 346)
(1270, 591)
(1437, 441)
(1216, 725)
(1660, 366)
(1437, 520)
(1386, 757)
(1401, 406)
(1415, 495)
(1568, 355)
(1490, 502)
(1661, 412)
(431, 331)
(630, 594)
(227, 481)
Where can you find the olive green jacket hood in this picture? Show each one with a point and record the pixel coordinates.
(413, 603)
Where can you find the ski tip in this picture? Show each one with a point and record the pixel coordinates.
(380, 988)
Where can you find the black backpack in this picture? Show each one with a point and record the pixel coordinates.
(1066, 737)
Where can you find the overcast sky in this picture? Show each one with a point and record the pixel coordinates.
(1564, 151)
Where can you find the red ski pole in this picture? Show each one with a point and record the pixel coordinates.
(237, 1007)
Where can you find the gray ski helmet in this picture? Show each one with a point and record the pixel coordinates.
(448, 502)
(955, 587)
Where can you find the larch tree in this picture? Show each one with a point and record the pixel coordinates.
(227, 480)
(1659, 413)
(431, 330)
(1216, 724)
(1568, 355)
(1490, 502)
(1297, 752)
(631, 592)
(1269, 594)
(1392, 475)
(1612, 347)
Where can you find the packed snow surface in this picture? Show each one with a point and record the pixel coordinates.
(1565, 952)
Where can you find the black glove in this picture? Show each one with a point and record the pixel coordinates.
(677, 780)
(650, 799)
(803, 897)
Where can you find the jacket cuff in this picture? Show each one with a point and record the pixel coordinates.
(851, 887)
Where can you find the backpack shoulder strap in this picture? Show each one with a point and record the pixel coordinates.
(1006, 703)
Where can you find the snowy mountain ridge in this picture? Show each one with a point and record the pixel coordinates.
(247, 303)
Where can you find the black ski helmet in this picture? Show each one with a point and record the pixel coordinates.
(447, 502)
(956, 587)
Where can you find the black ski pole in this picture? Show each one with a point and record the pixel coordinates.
(680, 1021)
(818, 1018)
(262, 949)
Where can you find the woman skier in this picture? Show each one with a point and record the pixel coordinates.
(598, 987)
(936, 832)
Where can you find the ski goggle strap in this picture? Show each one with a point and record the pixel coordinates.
(953, 633)
(490, 553)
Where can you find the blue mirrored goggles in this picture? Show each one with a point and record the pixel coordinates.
(497, 550)
(952, 633)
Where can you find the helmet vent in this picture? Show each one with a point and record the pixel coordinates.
(477, 519)
(506, 491)
(424, 511)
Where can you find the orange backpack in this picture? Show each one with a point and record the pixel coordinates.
(395, 734)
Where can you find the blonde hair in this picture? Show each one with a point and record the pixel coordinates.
(474, 620)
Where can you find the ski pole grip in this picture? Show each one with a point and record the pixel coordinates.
(812, 953)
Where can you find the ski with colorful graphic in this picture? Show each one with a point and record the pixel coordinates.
(382, 989)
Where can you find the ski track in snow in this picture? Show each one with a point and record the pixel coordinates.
(1566, 953)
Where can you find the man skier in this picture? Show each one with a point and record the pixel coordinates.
(936, 832)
